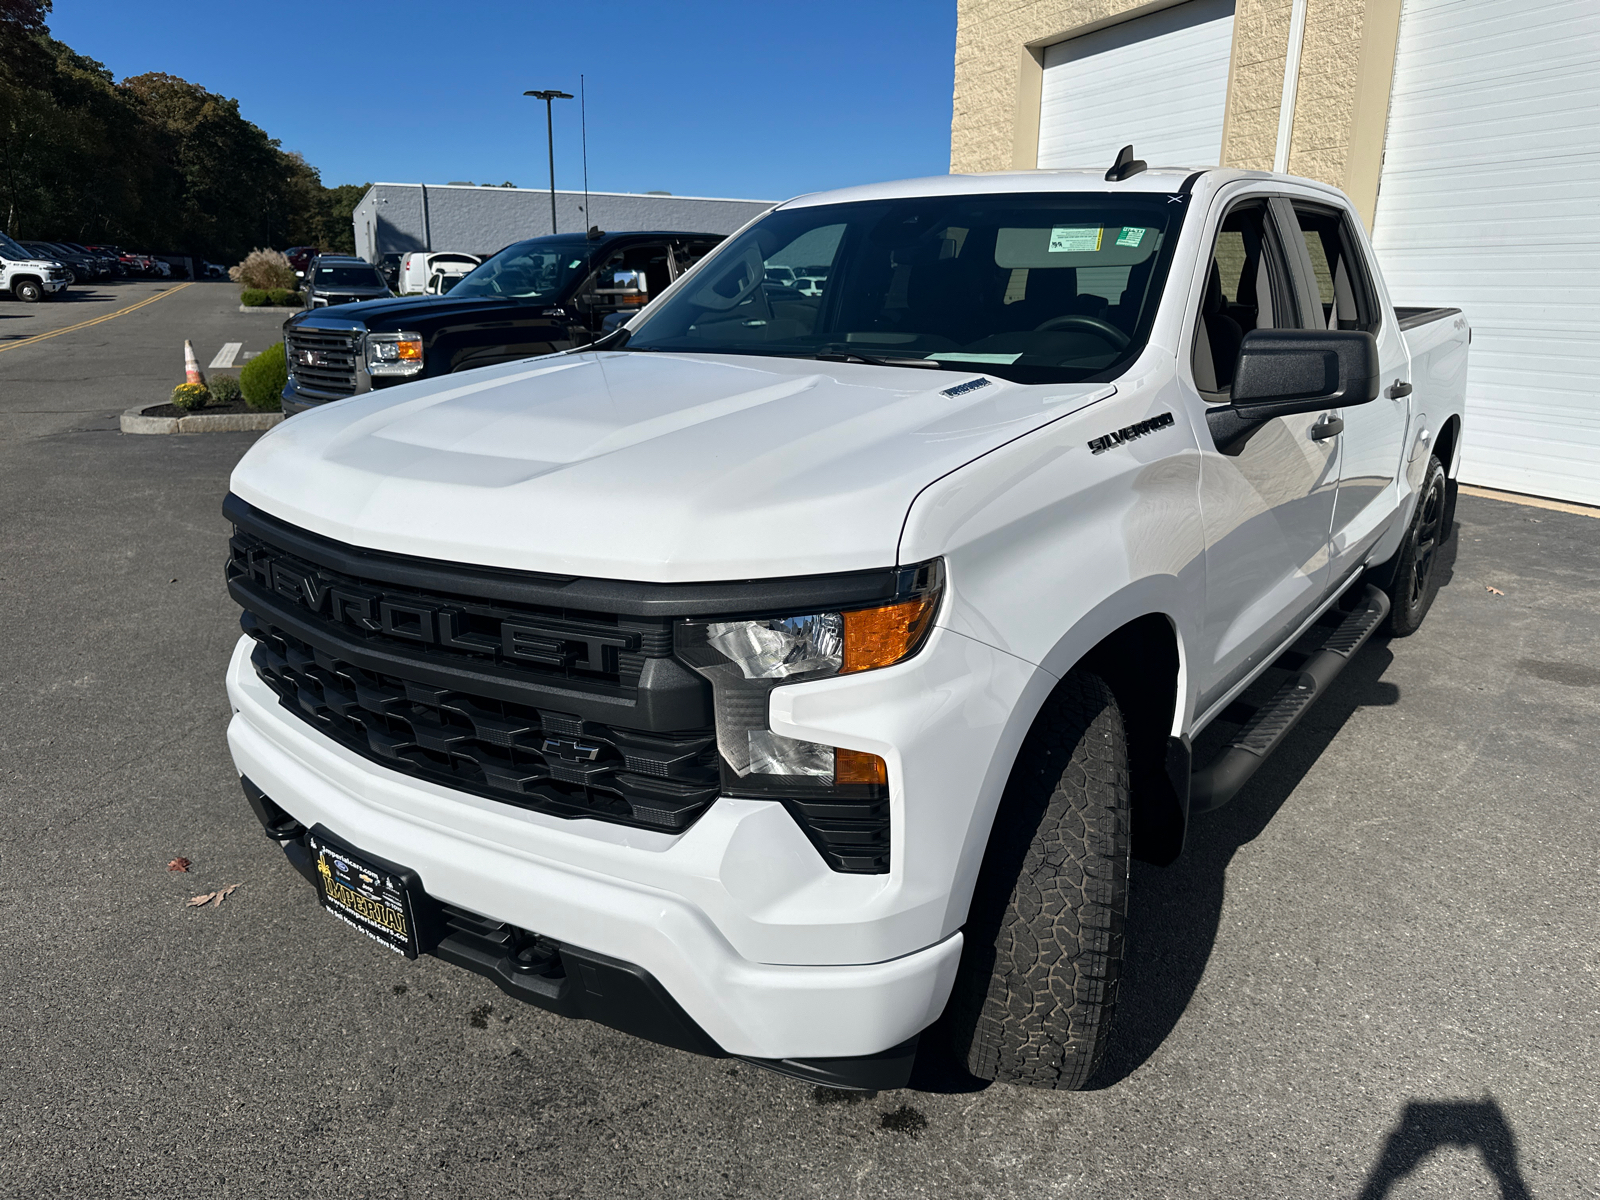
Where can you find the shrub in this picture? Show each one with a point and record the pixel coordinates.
(283, 296)
(225, 389)
(263, 378)
(264, 269)
(190, 396)
(253, 297)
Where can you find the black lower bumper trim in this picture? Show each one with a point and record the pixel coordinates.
(574, 982)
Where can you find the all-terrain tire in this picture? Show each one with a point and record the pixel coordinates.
(1042, 956)
(1414, 580)
(28, 291)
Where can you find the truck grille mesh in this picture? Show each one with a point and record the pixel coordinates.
(571, 713)
(322, 361)
(549, 761)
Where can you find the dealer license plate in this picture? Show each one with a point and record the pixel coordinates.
(365, 892)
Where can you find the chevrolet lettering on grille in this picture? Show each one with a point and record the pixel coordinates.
(550, 643)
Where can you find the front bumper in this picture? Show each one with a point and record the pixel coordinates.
(766, 950)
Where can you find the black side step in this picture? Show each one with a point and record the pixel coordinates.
(1220, 780)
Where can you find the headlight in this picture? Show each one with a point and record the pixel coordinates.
(394, 353)
(746, 659)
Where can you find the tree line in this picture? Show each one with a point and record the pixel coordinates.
(152, 163)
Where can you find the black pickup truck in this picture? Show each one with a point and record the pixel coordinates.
(533, 297)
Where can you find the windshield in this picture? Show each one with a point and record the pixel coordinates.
(348, 277)
(1037, 288)
(539, 269)
(11, 250)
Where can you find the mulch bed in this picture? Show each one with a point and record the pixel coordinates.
(172, 410)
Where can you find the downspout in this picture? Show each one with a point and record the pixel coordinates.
(1291, 86)
(427, 230)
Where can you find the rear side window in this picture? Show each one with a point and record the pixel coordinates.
(1344, 289)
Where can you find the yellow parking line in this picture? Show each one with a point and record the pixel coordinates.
(1580, 510)
(39, 337)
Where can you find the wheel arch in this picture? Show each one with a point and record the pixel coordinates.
(1447, 443)
(1143, 661)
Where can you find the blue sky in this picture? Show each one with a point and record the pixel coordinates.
(702, 97)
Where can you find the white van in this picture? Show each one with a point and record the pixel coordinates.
(419, 266)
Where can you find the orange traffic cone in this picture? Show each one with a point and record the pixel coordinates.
(191, 368)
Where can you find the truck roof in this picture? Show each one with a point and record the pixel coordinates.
(1066, 179)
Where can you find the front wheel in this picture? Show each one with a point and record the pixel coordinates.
(1414, 581)
(1037, 987)
(28, 291)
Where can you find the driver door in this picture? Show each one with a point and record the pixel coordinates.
(1268, 503)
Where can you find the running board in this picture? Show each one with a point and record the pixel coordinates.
(1220, 780)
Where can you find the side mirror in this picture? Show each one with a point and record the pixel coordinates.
(1281, 372)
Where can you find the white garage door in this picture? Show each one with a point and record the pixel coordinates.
(1490, 202)
(1159, 82)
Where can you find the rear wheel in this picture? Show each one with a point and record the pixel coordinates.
(1414, 581)
(1034, 999)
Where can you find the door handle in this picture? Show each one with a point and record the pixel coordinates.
(1327, 427)
(1398, 390)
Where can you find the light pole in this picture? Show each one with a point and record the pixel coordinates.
(550, 139)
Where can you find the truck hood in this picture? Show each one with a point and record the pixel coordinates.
(643, 466)
(397, 313)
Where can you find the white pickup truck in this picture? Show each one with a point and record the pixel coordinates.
(796, 668)
(26, 276)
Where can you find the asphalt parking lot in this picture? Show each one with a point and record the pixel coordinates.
(1374, 974)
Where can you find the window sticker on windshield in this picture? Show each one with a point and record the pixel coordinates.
(1078, 239)
(1131, 235)
(574, 264)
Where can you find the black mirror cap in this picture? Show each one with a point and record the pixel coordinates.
(1285, 371)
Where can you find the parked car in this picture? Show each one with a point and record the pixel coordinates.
(100, 264)
(533, 297)
(389, 267)
(418, 267)
(333, 279)
(113, 258)
(784, 672)
(79, 267)
(28, 276)
(300, 258)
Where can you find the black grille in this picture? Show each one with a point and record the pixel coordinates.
(550, 761)
(459, 676)
(322, 361)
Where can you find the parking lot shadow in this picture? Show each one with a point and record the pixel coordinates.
(1429, 1125)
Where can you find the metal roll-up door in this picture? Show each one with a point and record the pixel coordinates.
(1158, 81)
(1490, 201)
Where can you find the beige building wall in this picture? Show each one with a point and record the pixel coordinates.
(1341, 103)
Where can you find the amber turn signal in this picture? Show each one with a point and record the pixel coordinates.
(857, 766)
(877, 637)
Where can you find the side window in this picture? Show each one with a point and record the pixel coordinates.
(1343, 286)
(1248, 287)
(686, 254)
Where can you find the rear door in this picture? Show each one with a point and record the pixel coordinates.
(1342, 294)
(1267, 502)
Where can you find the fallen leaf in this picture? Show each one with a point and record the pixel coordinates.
(214, 899)
(1495, 590)
(179, 864)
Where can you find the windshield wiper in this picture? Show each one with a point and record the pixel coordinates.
(874, 361)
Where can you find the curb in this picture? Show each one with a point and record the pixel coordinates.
(269, 308)
(134, 421)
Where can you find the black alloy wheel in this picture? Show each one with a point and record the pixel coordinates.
(1416, 580)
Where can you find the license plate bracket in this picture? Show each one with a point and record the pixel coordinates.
(368, 893)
